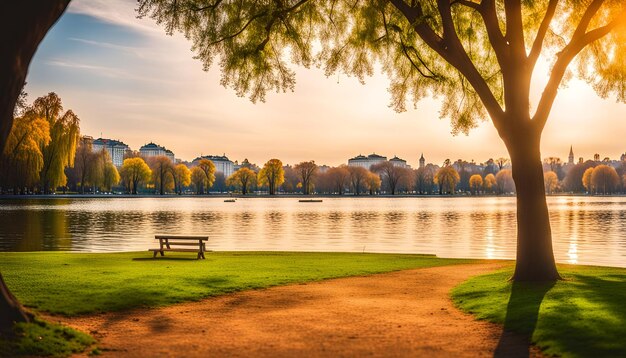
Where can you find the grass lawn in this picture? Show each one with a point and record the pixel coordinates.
(582, 316)
(77, 283)
(43, 339)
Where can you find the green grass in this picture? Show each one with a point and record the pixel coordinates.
(43, 339)
(74, 284)
(582, 316)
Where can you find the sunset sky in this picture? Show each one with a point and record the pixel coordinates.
(127, 80)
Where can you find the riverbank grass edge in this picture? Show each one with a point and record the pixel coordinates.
(583, 315)
(84, 283)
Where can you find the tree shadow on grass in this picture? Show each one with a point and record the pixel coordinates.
(521, 319)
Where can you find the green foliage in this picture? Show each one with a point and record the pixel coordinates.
(40, 338)
(581, 316)
(73, 283)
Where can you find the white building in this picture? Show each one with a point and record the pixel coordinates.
(366, 162)
(222, 163)
(399, 162)
(115, 148)
(155, 150)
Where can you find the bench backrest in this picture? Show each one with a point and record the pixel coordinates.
(185, 238)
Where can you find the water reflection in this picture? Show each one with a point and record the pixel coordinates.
(586, 230)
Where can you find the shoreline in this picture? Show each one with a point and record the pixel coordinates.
(286, 196)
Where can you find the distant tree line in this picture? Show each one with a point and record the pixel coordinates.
(45, 154)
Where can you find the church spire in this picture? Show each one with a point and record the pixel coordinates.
(571, 155)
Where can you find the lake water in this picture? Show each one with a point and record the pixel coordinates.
(586, 230)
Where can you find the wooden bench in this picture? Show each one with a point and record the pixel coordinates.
(167, 241)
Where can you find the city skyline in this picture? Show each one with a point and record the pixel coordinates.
(126, 79)
(409, 161)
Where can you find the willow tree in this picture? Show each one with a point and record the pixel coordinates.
(478, 57)
(64, 134)
(162, 175)
(22, 159)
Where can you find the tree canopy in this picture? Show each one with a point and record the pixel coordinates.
(272, 175)
(476, 56)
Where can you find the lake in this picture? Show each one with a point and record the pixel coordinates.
(586, 230)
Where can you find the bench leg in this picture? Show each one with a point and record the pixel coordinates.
(154, 256)
(202, 253)
(162, 253)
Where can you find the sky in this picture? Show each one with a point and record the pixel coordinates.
(127, 80)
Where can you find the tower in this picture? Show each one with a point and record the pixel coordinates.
(570, 159)
(422, 161)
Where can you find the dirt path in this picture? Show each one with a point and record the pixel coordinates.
(406, 313)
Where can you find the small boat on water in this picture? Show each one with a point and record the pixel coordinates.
(230, 200)
(310, 200)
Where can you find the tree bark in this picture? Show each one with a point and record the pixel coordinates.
(11, 311)
(535, 258)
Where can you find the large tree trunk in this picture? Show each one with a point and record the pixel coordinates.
(10, 309)
(535, 258)
(23, 24)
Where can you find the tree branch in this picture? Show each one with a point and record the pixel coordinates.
(568, 53)
(193, 7)
(541, 34)
(228, 37)
(467, 3)
(590, 12)
(514, 28)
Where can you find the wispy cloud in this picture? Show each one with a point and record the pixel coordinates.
(106, 71)
(117, 12)
(135, 51)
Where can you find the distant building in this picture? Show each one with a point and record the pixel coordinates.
(623, 157)
(155, 150)
(322, 169)
(422, 161)
(222, 163)
(366, 162)
(246, 164)
(570, 158)
(115, 148)
(399, 162)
